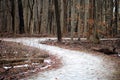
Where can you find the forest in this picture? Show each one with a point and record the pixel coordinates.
(30, 28)
(79, 18)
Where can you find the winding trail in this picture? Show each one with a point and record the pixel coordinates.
(76, 65)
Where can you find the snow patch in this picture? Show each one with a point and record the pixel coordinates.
(19, 66)
(45, 67)
(5, 67)
(48, 61)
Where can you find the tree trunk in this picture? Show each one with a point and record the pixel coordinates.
(72, 19)
(86, 16)
(13, 14)
(21, 25)
(116, 17)
(44, 22)
(58, 20)
(62, 16)
(93, 36)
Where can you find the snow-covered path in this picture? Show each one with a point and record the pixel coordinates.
(76, 65)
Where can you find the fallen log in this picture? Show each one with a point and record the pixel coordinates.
(106, 50)
(12, 62)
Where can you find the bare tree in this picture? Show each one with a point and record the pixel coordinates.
(93, 35)
(58, 21)
(72, 19)
(21, 25)
(31, 21)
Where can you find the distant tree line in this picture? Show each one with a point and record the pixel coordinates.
(76, 18)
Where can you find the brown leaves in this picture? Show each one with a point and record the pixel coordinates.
(91, 21)
(14, 57)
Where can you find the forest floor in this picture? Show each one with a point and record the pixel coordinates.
(19, 61)
(77, 64)
(87, 46)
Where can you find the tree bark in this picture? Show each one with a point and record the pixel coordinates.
(93, 35)
(21, 25)
(59, 36)
(86, 16)
(72, 19)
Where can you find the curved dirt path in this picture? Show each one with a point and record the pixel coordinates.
(76, 65)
